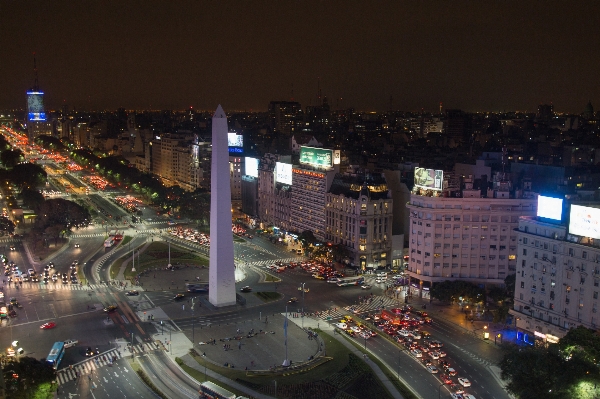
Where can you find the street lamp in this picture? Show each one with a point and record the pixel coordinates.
(440, 390)
(486, 333)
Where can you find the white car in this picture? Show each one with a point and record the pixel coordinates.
(70, 342)
(404, 333)
(432, 369)
(365, 286)
(343, 326)
(365, 335)
(464, 382)
(380, 280)
(417, 353)
(434, 355)
(441, 353)
(356, 329)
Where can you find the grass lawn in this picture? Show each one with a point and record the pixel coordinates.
(157, 255)
(268, 296)
(271, 279)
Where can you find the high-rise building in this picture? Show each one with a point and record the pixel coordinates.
(37, 123)
(285, 116)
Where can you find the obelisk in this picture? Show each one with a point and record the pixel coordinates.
(221, 267)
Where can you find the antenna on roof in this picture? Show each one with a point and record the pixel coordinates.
(36, 86)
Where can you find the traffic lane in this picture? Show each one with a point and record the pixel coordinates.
(451, 333)
(413, 372)
(468, 364)
(119, 380)
(164, 379)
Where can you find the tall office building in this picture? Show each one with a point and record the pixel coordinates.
(36, 115)
(285, 116)
(311, 181)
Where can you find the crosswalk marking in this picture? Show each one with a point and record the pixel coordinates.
(59, 286)
(88, 366)
(374, 305)
(271, 261)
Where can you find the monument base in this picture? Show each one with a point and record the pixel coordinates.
(286, 363)
(220, 305)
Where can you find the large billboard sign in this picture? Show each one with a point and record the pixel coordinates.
(283, 173)
(550, 208)
(251, 167)
(429, 179)
(35, 106)
(235, 140)
(316, 156)
(584, 221)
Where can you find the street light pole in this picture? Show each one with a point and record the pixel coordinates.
(132, 349)
(439, 390)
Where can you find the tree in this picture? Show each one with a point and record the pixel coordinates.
(32, 199)
(10, 158)
(556, 370)
(509, 283)
(28, 175)
(453, 290)
(61, 213)
(26, 375)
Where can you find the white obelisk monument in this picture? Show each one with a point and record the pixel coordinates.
(222, 269)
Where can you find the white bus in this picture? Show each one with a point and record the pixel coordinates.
(345, 281)
(109, 242)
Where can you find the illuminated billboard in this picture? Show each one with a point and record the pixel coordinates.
(336, 157)
(549, 207)
(584, 221)
(35, 106)
(235, 140)
(429, 179)
(283, 173)
(251, 167)
(316, 156)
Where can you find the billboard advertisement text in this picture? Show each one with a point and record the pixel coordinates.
(429, 178)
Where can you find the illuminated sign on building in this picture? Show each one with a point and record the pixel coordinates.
(35, 106)
(316, 156)
(308, 173)
(235, 140)
(584, 221)
(283, 173)
(251, 166)
(429, 179)
(549, 207)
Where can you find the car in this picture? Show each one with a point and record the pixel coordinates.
(30, 271)
(70, 342)
(356, 329)
(12, 248)
(13, 301)
(246, 289)
(293, 300)
(365, 286)
(434, 355)
(380, 280)
(54, 278)
(432, 369)
(47, 326)
(365, 335)
(444, 363)
(446, 379)
(417, 353)
(1, 295)
(76, 245)
(342, 326)
(441, 353)
(464, 382)
(51, 264)
(178, 297)
(110, 309)
(306, 289)
(451, 372)
(132, 293)
(91, 352)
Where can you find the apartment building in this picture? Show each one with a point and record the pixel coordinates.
(558, 278)
(457, 234)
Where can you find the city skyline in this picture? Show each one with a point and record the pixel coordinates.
(152, 55)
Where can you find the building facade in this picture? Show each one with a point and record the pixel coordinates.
(358, 215)
(471, 239)
(557, 283)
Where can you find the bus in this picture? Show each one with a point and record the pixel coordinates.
(344, 281)
(109, 242)
(213, 391)
(56, 354)
(113, 233)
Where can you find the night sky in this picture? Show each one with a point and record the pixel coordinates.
(146, 54)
